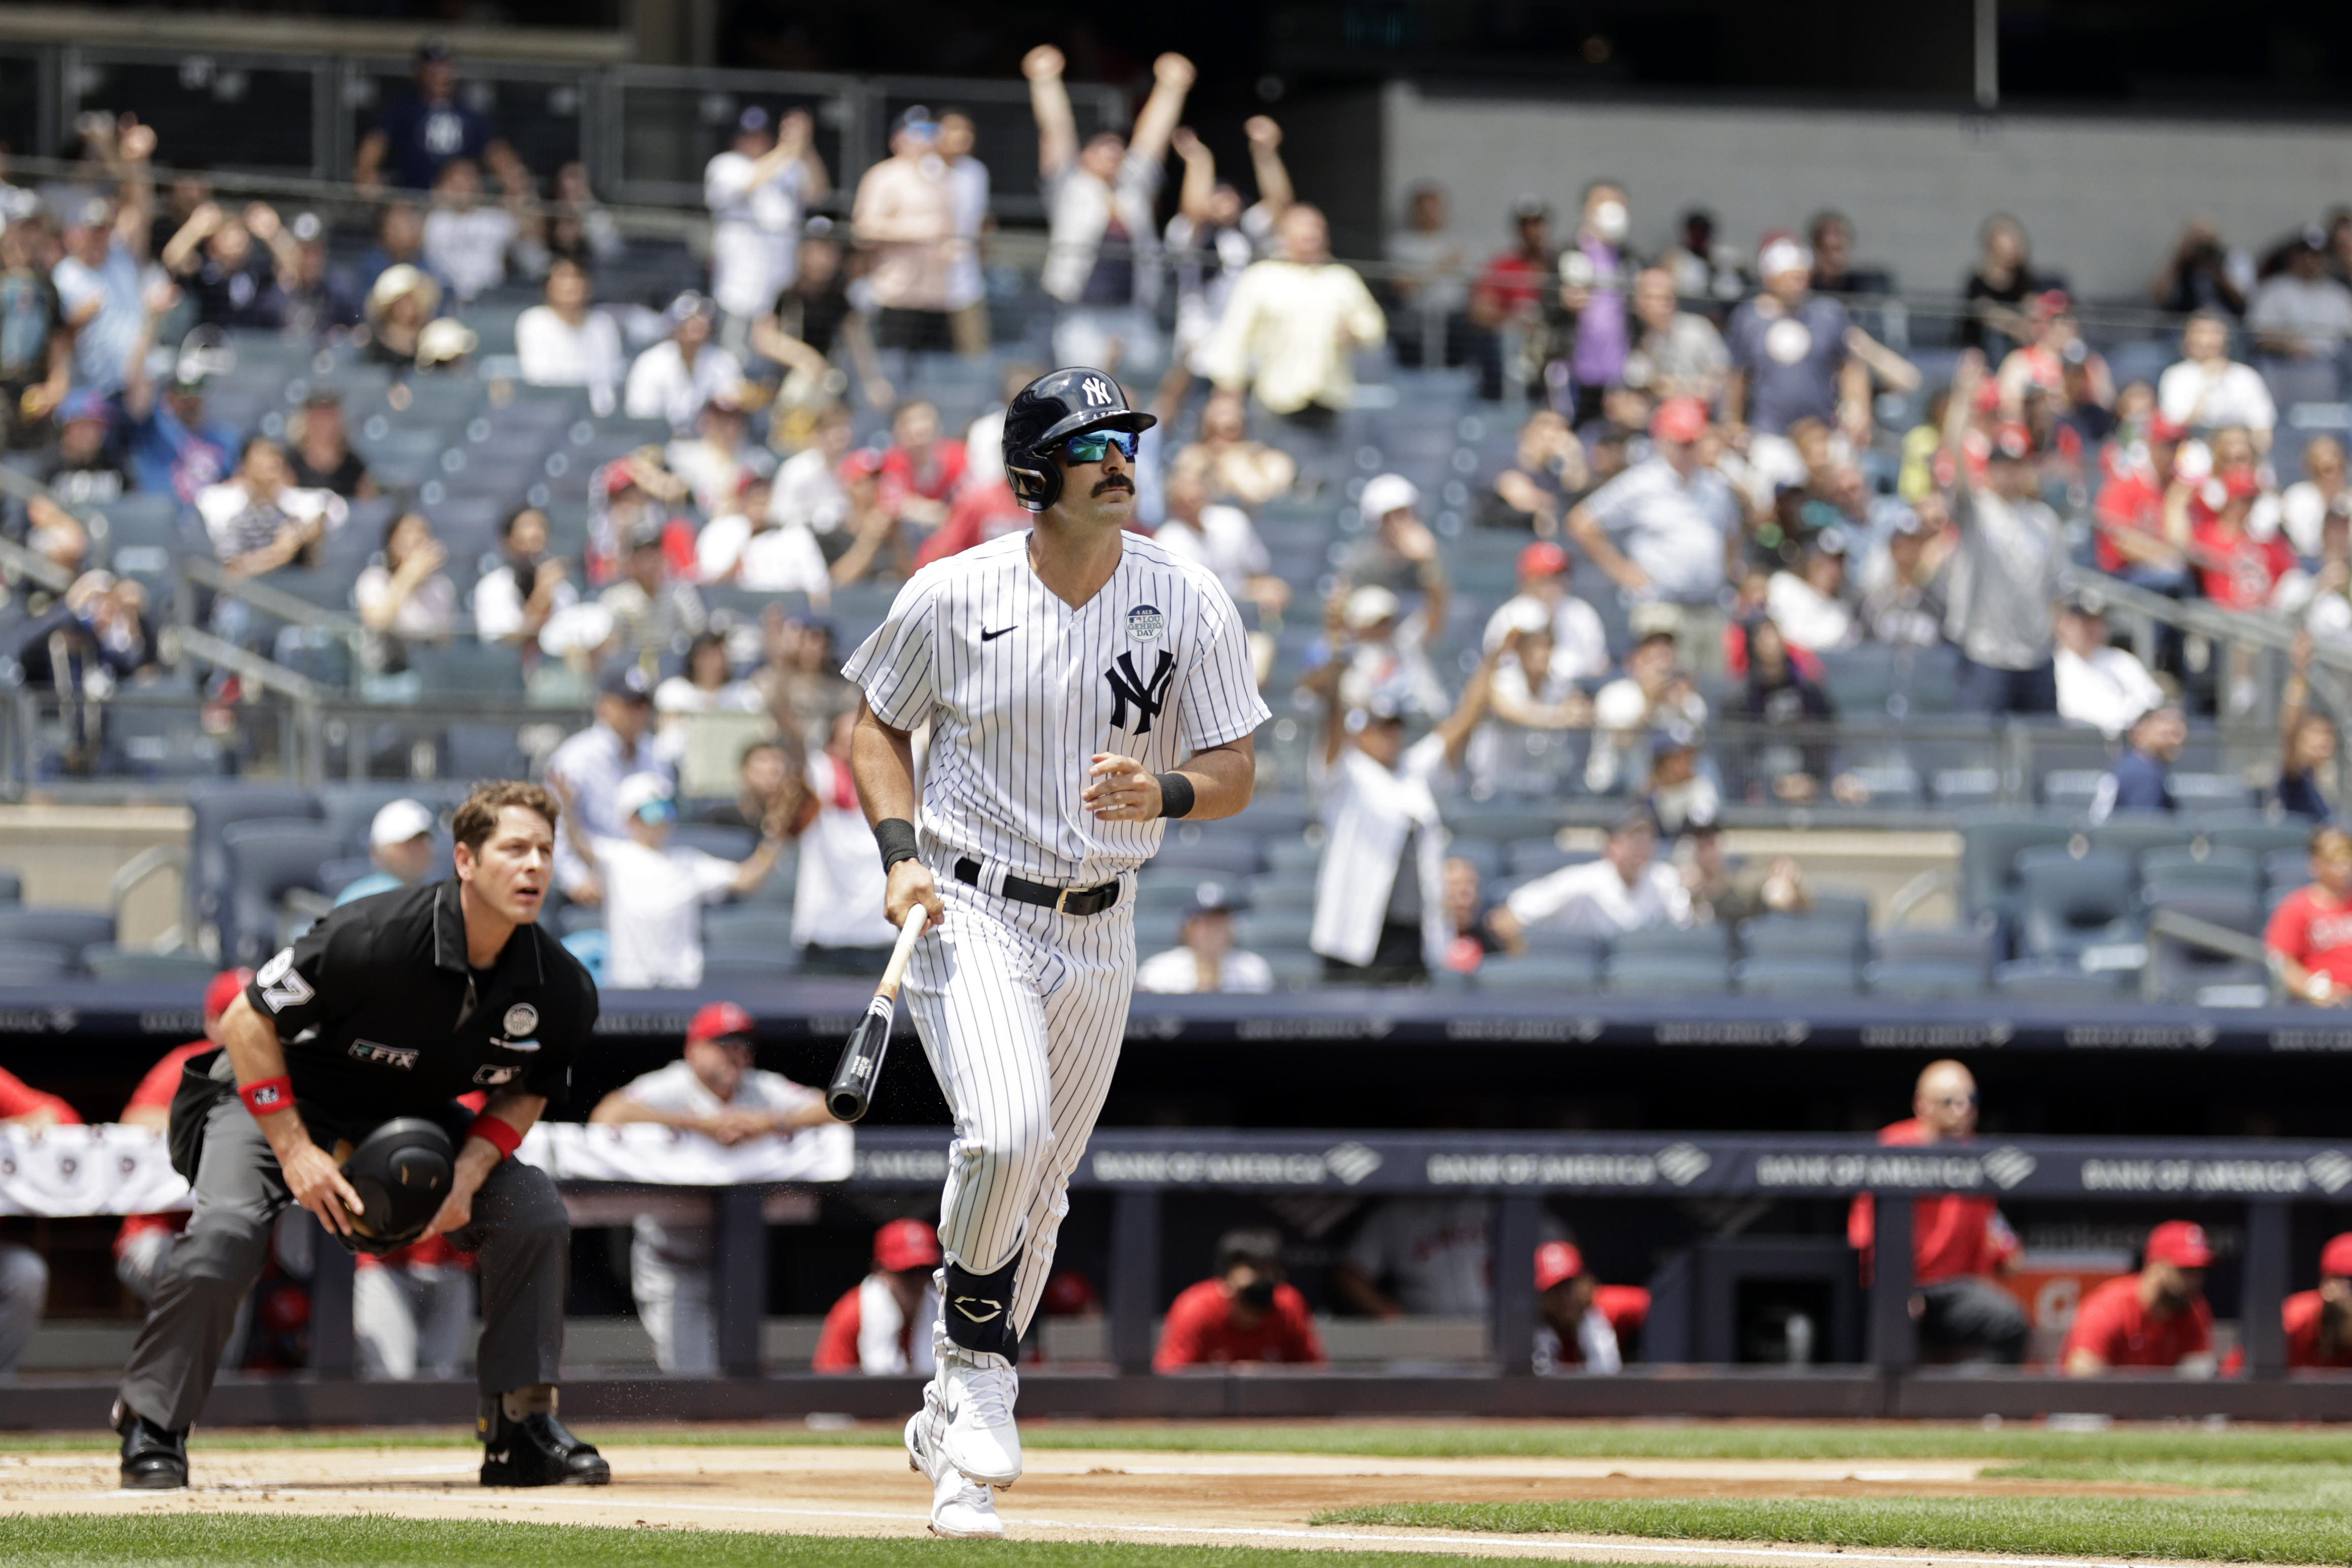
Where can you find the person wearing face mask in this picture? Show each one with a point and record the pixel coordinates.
(1246, 1313)
(2156, 1318)
(1596, 274)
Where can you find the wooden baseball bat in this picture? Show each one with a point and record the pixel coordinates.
(852, 1090)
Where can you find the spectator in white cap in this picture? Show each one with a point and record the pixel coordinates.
(677, 378)
(654, 890)
(1397, 550)
(1205, 959)
(1791, 358)
(1369, 651)
(1381, 917)
(1655, 693)
(400, 842)
(757, 191)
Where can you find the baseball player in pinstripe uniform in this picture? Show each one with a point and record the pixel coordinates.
(1081, 684)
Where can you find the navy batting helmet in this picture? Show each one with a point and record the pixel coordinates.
(402, 1172)
(1049, 411)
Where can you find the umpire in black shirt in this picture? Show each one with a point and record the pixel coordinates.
(393, 1005)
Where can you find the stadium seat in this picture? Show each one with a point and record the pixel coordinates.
(736, 962)
(2188, 973)
(1684, 973)
(2286, 868)
(1991, 842)
(1502, 821)
(1671, 942)
(2210, 791)
(1274, 893)
(1926, 979)
(67, 933)
(30, 964)
(1802, 936)
(1229, 859)
(2203, 863)
(746, 924)
(2071, 902)
(135, 968)
(716, 839)
(1161, 890)
(1294, 969)
(1795, 976)
(1936, 944)
(1538, 857)
(212, 809)
(266, 860)
(2071, 789)
(2259, 831)
(2136, 832)
(1274, 927)
(2058, 980)
(466, 667)
(1547, 972)
(12, 888)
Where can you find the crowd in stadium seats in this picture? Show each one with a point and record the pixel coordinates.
(1689, 534)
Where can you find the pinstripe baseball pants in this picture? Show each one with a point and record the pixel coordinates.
(1022, 1012)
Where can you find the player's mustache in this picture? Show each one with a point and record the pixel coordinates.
(1113, 482)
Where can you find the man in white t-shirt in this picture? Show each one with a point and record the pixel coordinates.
(2209, 391)
(743, 544)
(2301, 312)
(968, 210)
(757, 192)
(464, 241)
(2103, 687)
(1222, 538)
(712, 1091)
(1545, 601)
(1628, 889)
(1204, 959)
(808, 489)
(837, 920)
(653, 891)
(685, 373)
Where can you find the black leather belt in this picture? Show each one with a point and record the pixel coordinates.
(1062, 900)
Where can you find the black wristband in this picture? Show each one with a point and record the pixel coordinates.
(896, 837)
(1175, 796)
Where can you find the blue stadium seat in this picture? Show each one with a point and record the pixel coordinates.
(2260, 831)
(2200, 863)
(31, 964)
(2187, 972)
(2072, 902)
(266, 860)
(69, 932)
(1795, 976)
(1991, 842)
(118, 966)
(746, 924)
(2059, 980)
(212, 809)
(1926, 979)
(1802, 936)
(1685, 973)
(2136, 832)
(1546, 971)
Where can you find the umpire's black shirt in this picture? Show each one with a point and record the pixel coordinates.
(381, 1017)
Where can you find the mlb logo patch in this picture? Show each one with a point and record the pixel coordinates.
(1145, 622)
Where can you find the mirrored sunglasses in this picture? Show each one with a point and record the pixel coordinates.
(1090, 446)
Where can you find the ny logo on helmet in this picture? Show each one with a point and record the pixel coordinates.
(1127, 685)
(1099, 393)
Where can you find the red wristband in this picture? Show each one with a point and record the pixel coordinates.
(267, 1096)
(497, 1134)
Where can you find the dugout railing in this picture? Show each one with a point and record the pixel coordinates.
(2261, 1180)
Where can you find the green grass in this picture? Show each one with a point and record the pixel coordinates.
(258, 1542)
(2018, 1443)
(2255, 1511)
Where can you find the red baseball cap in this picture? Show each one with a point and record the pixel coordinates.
(1542, 559)
(223, 989)
(1069, 1294)
(2240, 484)
(1678, 419)
(2180, 1243)
(906, 1244)
(719, 1021)
(2159, 428)
(2335, 1258)
(1556, 1261)
(862, 464)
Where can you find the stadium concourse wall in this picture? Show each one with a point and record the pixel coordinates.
(2267, 1178)
(2102, 196)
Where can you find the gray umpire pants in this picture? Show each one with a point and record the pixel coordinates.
(520, 1234)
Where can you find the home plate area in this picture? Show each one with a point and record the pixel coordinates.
(1171, 1499)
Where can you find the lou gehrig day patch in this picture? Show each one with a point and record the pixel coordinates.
(1145, 622)
(522, 1018)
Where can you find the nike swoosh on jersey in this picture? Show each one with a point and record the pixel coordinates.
(987, 635)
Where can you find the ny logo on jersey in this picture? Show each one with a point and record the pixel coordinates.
(1127, 685)
(1099, 393)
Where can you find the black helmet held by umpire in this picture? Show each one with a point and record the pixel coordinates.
(402, 1172)
(1049, 411)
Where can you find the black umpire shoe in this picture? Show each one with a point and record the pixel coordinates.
(539, 1451)
(153, 1459)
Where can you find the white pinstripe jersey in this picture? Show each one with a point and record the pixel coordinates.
(1021, 692)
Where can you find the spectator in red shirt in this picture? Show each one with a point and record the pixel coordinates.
(143, 1244)
(2142, 514)
(1960, 1243)
(23, 1274)
(2237, 569)
(2309, 938)
(883, 1324)
(2156, 1317)
(2319, 1323)
(1585, 1324)
(920, 473)
(1511, 292)
(1246, 1315)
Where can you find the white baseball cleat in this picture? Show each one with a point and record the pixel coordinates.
(962, 1508)
(976, 1394)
